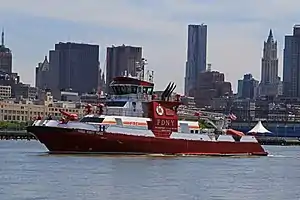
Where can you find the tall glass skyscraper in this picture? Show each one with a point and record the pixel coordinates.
(291, 64)
(196, 56)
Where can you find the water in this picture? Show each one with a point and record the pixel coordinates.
(28, 173)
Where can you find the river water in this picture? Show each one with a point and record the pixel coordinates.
(27, 172)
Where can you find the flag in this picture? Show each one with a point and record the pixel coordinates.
(232, 116)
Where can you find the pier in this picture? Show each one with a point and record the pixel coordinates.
(16, 135)
(279, 141)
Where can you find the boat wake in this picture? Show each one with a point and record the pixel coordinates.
(128, 155)
(280, 156)
(271, 155)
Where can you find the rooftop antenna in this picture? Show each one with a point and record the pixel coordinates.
(150, 74)
(209, 67)
(2, 37)
(104, 68)
(140, 68)
(69, 38)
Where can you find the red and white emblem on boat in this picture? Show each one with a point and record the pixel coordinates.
(159, 110)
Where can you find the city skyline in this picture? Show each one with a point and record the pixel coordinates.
(235, 33)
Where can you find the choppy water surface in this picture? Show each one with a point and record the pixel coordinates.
(27, 172)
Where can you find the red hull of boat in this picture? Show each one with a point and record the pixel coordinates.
(59, 140)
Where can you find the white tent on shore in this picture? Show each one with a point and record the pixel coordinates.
(259, 128)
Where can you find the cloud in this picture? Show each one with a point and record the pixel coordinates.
(236, 29)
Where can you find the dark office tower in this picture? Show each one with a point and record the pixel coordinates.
(196, 56)
(42, 74)
(120, 59)
(249, 89)
(291, 64)
(5, 57)
(74, 67)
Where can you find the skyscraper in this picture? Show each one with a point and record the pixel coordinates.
(5, 57)
(120, 59)
(269, 68)
(196, 56)
(249, 87)
(73, 66)
(291, 64)
(42, 74)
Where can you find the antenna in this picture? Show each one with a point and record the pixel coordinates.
(68, 38)
(140, 68)
(152, 76)
(149, 75)
(2, 37)
(104, 68)
(209, 67)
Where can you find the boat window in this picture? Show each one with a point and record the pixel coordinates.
(116, 103)
(145, 90)
(114, 89)
(92, 119)
(134, 89)
(121, 90)
(117, 90)
(127, 90)
(192, 131)
(148, 90)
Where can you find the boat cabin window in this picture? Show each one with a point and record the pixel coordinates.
(131, 89)
(92, 119)
(116, 103)
(124, 89)
(148, 90)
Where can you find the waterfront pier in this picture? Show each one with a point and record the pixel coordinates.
(16, 135)
(278, 141)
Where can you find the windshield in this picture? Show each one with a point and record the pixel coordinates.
(92, 119)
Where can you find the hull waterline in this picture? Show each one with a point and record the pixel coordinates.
(64, 140)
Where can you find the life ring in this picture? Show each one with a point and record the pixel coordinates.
(159, 110)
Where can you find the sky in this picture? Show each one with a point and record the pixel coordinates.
(236, 31)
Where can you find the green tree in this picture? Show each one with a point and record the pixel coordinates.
(13, 125)
(3, 125)
(202, 124)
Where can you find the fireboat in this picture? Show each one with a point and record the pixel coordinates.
(137, 122)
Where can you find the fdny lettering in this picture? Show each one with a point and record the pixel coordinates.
(165, 122)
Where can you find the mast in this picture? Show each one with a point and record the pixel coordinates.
(2, 37)
(140, 68)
